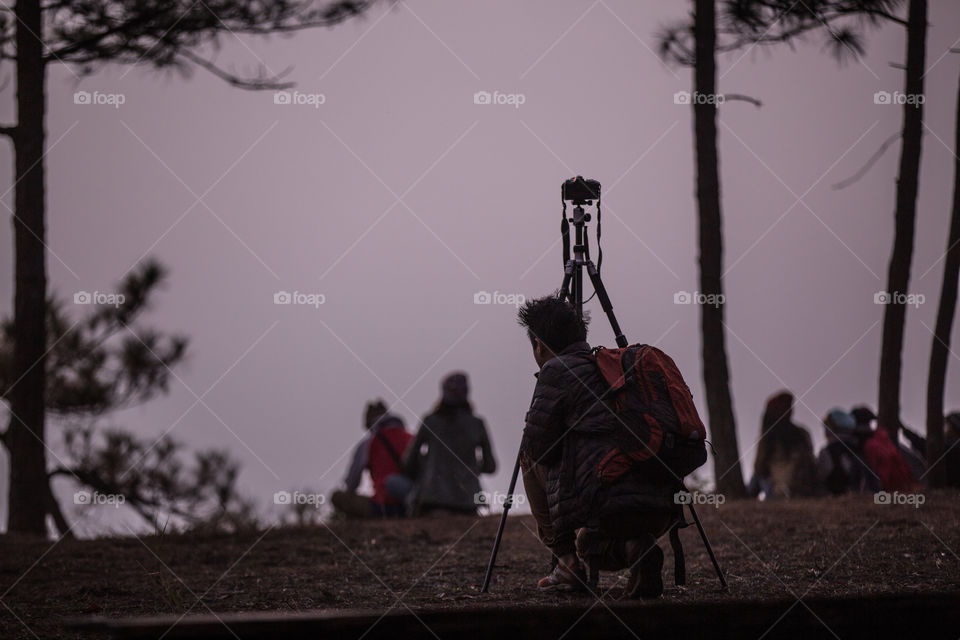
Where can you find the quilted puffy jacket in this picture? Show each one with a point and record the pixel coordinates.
(570, 428)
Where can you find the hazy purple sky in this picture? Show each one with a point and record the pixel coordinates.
(399, 198)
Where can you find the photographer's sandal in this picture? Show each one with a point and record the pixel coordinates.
(563, 579)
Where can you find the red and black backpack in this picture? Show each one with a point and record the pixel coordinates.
(654, 406)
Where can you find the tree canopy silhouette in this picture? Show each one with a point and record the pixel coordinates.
(88, 34)
(107, 361)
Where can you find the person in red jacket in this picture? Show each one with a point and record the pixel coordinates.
(380, 452)
(881, 453)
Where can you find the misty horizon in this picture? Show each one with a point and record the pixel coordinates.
(336, 243)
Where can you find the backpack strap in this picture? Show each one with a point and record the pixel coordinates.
(630, 362)
(389, 447)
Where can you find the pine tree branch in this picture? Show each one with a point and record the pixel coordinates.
(253, 84)
(744, 98)
(843, 184)
(171, 29)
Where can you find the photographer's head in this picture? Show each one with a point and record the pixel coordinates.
(552, 325)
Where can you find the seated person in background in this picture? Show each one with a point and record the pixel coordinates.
(568, 431)
(951, 458)
(883, 456)
(863, 416)
(918, 443)
(840, 465)
(914, 455)
(784, 467)
(380, 452)
(449, 453)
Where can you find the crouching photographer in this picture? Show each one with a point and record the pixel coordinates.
(572, 473)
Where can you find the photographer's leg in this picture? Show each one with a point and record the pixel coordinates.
(535, 486)
(567, 574)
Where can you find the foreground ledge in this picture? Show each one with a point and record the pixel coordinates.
(928, 616)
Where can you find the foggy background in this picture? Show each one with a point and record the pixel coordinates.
(398, 199)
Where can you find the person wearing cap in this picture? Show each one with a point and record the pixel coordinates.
(864, 417)
(450, 451)
(380, 452)
(840, 464)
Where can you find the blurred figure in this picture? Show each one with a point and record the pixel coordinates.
(840, 465)
(918, 443)
(449, 453)
(914, 456)
(784, 467)
(380, 452)
(952, 441)
(885, 456)
(864, 417)
(951, 450)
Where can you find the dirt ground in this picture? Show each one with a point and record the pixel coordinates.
(833, 546)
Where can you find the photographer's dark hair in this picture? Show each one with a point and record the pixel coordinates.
(553, 321)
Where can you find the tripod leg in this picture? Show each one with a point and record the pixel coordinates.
(706, 543)
(565, 293)
(503, 521)
(605, 304)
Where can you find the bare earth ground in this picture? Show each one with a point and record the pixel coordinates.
(822, 547)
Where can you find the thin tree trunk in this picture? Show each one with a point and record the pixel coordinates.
(898, 278)
(25, 439)
(940, 351)
(716, 376)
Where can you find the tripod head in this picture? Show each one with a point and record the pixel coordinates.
(582, 192)
(579, 192)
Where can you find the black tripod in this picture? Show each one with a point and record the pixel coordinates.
(583, 193)
(572, 286)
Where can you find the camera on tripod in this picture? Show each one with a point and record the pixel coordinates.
(580, 190)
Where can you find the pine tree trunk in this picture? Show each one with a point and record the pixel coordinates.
(716, 376)
(25, 438)
(898, 277)
(940, 351)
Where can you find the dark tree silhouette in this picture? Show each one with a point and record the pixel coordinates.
(716, 372)
(154, 481)
(940, 350)
(695, 43)
(89, 34)
(898, 276)
(96, 365)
